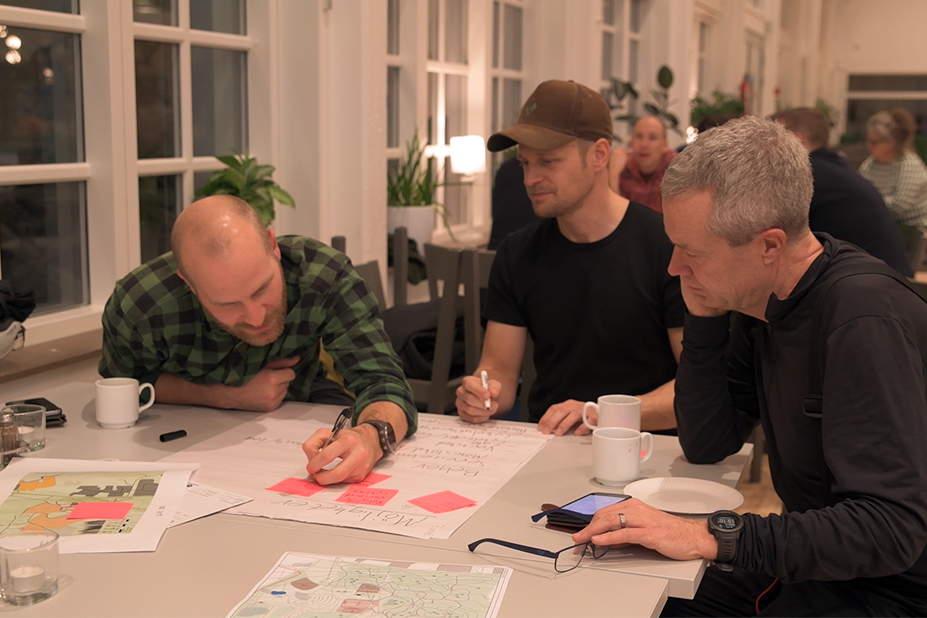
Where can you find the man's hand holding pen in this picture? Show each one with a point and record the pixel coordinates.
(357, 447)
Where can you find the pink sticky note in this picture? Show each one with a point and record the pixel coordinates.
(297, 487)
(372, 479)
(358, 494)
(442, 502)
(100, 510)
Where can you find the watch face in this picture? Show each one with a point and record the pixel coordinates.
(724, 522)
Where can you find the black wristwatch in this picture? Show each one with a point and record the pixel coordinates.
(726, 527)
(386, 435)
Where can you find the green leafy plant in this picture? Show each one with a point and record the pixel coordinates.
(413, 181)
(243, 177)
(720, 103)
(621, 93)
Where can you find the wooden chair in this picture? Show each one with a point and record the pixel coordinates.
(436, 395)
(444, 266)
(370, 271)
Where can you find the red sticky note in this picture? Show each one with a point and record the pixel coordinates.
(100, 510)
(358, 494)
(372, 479)
(442, 502)
(297, 487)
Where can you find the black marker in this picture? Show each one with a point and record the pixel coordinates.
(173, 435)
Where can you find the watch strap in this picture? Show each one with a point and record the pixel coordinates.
(385, 434)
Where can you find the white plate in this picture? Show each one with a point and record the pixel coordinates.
(685, 496)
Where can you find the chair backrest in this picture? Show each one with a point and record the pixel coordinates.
(370, 271)
(444, 265)
(477, 265)
(400, 266)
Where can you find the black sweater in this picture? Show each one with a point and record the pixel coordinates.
(854, 483)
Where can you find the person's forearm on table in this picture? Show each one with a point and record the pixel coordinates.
(389, 412)
(175, 390)
(657, 408)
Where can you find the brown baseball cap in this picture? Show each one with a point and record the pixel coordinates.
(555, 114)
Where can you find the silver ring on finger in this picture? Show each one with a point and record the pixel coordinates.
(623, 521)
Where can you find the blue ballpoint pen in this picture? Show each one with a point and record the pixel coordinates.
(340, 422)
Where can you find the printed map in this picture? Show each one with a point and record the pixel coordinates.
(309, 586)
(43, 501)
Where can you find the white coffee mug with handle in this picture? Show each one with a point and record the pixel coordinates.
(617, 454)
(117, 401)
(614, 411)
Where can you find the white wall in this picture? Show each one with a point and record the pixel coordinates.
(880, 37)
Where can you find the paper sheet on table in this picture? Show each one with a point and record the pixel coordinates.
(41, 493)
(446, 454)
(201, 500)
(307, 585)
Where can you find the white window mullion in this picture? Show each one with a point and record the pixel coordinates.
(43, 173)
(46, 20)
(185, 85)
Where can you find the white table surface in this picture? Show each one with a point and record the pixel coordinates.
(197, 571)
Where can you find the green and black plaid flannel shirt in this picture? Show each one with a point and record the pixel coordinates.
(154, 324)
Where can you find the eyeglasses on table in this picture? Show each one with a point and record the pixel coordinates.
(565, 560)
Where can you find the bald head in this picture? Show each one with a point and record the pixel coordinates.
(650, 124)
(648, 143)
(214, 227)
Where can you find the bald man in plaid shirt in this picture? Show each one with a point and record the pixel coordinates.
(235, 318)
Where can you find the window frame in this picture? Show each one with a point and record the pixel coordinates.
(111, 168)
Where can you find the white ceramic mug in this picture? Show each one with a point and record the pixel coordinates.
(117, 401)
(614, 411)
(617, 454)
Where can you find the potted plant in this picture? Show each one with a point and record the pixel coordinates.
(621, 90)
(244, 178)
(410, 195)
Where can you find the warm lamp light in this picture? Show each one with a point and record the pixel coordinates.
(468, 155)
(14, 42)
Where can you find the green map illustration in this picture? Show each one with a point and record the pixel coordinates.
(43, 501)
(306, 586)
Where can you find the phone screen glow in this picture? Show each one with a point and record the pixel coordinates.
(587, 505)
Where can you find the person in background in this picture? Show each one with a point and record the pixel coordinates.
(893, 166)
(844, 204)
(511, 207)
(636, 174)
(235, 318)
(588, 281)
(852, 477)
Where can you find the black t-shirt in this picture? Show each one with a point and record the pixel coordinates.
(597, 312)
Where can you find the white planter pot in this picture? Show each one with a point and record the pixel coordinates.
(418, 220)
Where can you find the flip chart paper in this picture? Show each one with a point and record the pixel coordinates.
(445, 454)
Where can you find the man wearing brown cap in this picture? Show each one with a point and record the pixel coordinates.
(588, 282)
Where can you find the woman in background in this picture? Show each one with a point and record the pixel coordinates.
(893, 166)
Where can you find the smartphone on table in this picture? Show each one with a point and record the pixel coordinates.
(53, 414)
(578, 513)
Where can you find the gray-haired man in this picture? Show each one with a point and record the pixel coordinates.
(852, 474)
